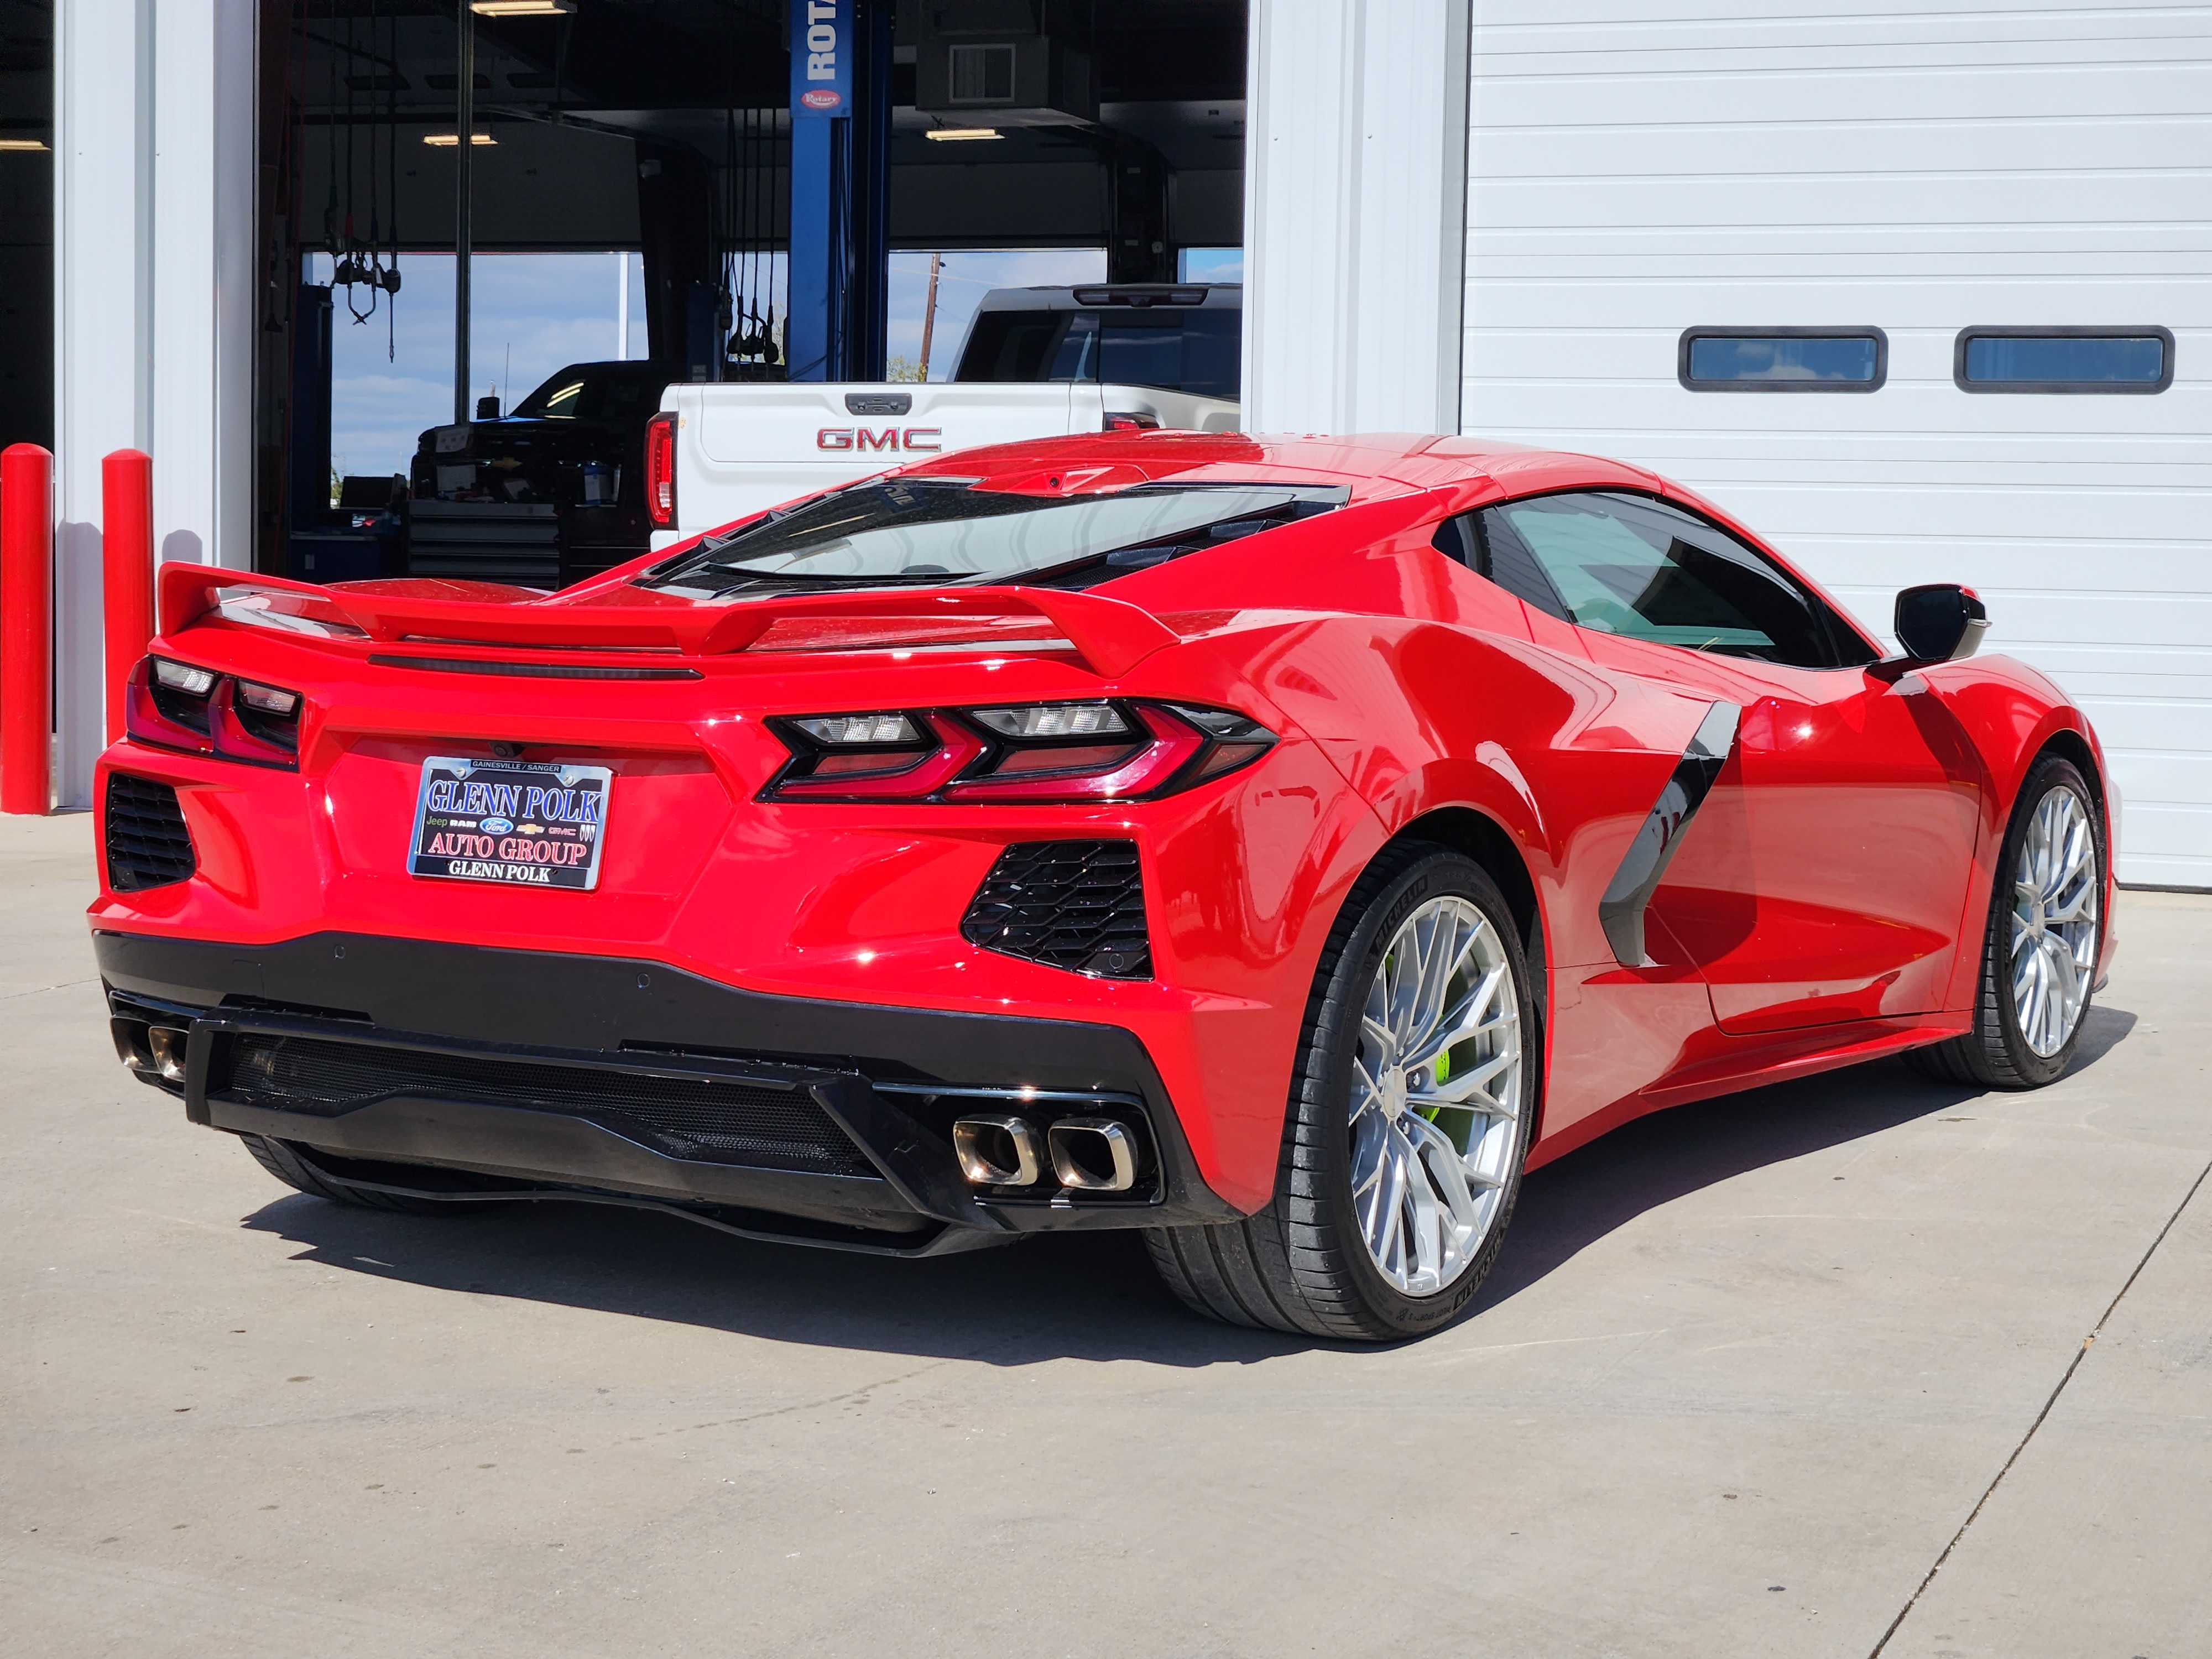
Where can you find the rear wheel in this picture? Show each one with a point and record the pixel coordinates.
(283, 1160)
(1409, 1116)
(2040, 945)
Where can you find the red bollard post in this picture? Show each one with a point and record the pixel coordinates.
(27, 637)
(126, 491)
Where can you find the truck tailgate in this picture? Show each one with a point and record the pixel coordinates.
(859, 427)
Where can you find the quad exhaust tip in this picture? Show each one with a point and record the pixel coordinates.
(1087, 1154)
(998, 1152)
(157, 1049)
(168, 1046)
(1093, 1154)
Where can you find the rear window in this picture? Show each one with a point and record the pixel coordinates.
(593, 392)
(1194, 351)
(944, 532)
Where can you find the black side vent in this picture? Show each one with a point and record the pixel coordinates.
(147, 845)
(1073, 904)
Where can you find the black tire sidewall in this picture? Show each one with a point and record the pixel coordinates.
(2051, 772)
(1436, 875)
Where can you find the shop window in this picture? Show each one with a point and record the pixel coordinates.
(1782, 359)
(2064, 360)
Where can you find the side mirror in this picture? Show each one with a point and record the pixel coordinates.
(487, 408)
(1942, 621)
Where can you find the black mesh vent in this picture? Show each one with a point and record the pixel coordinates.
(147, 845)
(713, 1122)
(1077, 904)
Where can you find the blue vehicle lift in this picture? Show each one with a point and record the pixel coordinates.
(841, 123)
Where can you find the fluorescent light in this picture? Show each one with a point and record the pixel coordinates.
(22, 143)
(961, 135)
(453, 140)
(521, 8)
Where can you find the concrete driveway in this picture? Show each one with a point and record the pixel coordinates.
(1747, 1375)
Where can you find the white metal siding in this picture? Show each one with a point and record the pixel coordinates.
(1354, 188)
(1636, 170)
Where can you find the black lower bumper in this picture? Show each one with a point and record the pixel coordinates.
(519, 1074)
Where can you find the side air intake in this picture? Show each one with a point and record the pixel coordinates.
(1072, 904)
(147, 845)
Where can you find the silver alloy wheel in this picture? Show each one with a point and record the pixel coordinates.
(1436, 1094)
(2054, 921)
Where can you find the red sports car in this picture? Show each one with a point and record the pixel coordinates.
(1278, 846)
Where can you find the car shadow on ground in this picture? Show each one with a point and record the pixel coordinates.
(1085, 1296)
(1568, 1206)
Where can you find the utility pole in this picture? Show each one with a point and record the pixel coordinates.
(465, 148)
(929, 312)
(622, 306)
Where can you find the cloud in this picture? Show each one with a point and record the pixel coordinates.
(531, 314)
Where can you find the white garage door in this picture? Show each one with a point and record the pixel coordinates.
(1636, 170)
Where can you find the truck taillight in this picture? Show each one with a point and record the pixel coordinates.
(660, 471)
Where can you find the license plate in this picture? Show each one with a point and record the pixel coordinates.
(525, 824)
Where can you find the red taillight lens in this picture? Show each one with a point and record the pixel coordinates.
(173, 705)
(1068, 752)
(1131, 421)
(1135, 769)
(660, 471)
(861, 771)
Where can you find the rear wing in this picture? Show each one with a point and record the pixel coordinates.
(1111, 636)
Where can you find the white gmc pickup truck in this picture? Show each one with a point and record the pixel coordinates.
(1037, 362)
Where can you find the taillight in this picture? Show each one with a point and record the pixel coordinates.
(1100, 751)
(175, 705)
(1132, 419)
(660, 471)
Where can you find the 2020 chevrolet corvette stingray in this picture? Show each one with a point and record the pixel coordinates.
(1280, 847)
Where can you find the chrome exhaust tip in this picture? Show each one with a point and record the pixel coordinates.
(131, 1048)
(998, 1152)
(1093, 1154)
(167, 1047)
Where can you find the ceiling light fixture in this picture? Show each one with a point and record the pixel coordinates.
(22, 143)
(451, 140)
(521, 8)
(962, 135)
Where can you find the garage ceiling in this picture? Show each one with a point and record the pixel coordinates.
(573, 102)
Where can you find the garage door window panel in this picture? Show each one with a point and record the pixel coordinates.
(1622, 567)
(2094, 361)
(1782, 360)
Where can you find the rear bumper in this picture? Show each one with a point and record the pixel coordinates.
(524, 1073)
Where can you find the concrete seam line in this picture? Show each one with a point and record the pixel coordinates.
(2072, 1365)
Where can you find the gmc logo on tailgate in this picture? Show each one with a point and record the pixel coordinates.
(915, 439)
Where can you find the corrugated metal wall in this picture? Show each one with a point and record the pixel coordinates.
(1636, 169)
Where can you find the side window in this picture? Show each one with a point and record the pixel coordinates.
(1504, 559)
(1619, 564)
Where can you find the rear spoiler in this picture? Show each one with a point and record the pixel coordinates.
(1111, 636)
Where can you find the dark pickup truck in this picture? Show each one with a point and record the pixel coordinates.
(548, 493)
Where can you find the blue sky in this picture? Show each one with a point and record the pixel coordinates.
(531, 314)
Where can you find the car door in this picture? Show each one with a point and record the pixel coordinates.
(1822, 874)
